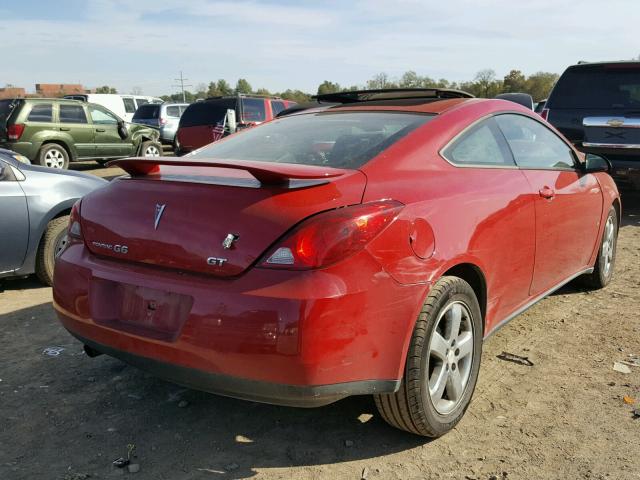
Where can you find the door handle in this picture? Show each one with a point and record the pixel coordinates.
(547, 192)
(64, 129)
(100, 130)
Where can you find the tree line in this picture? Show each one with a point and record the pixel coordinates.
(485, 84)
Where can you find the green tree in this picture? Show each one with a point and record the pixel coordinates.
(263, 92)
(243, 86)
(514, 82)
(379, 81)
(328, 87)
(410, 79)
(539, 84)
(485, 84)
(106, 89)
(295, 95)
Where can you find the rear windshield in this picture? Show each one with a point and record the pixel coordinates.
(149, 110)
(616, 86)
(253, 110)
(206, 113)
(341, 140)
(6, 107)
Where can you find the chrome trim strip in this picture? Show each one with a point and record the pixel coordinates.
(611, 122)
(612, 145)
(531, 303)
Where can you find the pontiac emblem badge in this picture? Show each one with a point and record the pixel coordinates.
(615, 122)
(159, 212)
(228, 241)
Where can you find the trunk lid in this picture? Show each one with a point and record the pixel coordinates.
(179, 217)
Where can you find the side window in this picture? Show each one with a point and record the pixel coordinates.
(482, 145)
(72, 114)
(141, 101)
(173, 111)
(253, 110)
(129, 105)
(41, 112)
(277, 106)
(102, 117)
(534, 145)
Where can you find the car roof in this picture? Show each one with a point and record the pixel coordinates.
(612, 63)
(431, 106)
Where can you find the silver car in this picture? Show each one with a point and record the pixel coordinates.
(165, 117)
(35, 203)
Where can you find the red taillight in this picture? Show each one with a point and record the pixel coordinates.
(163, 121)
(14, 132)
(331, 236)
(75, 230)
(545, 113)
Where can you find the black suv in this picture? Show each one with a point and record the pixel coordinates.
(597, 107)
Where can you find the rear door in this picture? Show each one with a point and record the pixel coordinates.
(14, 234)
(568, 203)
(107, 139)
(72, 119)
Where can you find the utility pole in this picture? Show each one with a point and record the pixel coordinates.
(182, 85)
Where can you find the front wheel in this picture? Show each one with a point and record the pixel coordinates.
(442, 363)
(52, 244)
(151, 149)
(606, 259)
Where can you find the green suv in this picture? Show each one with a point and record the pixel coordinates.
(53, 132)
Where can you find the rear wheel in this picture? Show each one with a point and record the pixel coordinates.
(53, 242)
(53, 155)
(151, 149)
(606, 259)
(442, 363)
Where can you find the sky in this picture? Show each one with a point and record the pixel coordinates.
(280, 44)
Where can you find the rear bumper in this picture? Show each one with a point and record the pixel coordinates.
(282, 337)
(305, 396)
(27, 149)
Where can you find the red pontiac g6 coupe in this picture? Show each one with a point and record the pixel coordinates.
(362, 248)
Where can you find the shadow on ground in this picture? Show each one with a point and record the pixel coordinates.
(79, 412)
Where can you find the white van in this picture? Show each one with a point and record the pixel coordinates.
(122, 105)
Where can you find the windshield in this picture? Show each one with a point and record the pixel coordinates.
(6, 107)
(598, 87)
(147, 111)
(333, 139)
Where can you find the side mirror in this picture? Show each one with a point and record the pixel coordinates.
(595, 163)
(232, 125)
(122, 130)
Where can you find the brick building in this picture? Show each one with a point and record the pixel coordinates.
(59, 89)
(12, 92)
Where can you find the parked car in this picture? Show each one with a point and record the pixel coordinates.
(53, 132)
(365, 248)
(35, 203)
(596, 106)
(122, 105)
(199, 121)
(165, 117)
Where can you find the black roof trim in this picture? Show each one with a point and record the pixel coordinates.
(391, 94)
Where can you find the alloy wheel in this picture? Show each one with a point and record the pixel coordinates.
(152, 151)
(608, 245)
(54, 158)
(450, 357)
(61, 244)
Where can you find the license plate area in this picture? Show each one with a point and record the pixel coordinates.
(143, 311)
(612, 135)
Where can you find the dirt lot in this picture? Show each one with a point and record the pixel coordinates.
(67, 416)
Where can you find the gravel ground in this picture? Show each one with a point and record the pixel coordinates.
(66, 416)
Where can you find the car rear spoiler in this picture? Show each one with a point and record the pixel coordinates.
(267, 173)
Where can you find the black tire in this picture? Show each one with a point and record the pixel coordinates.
(53, 155)
(150, 146)
(411, 408)
(102, 161)
(606, 259)
(52, 241)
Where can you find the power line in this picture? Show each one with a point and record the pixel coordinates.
(182, 85)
